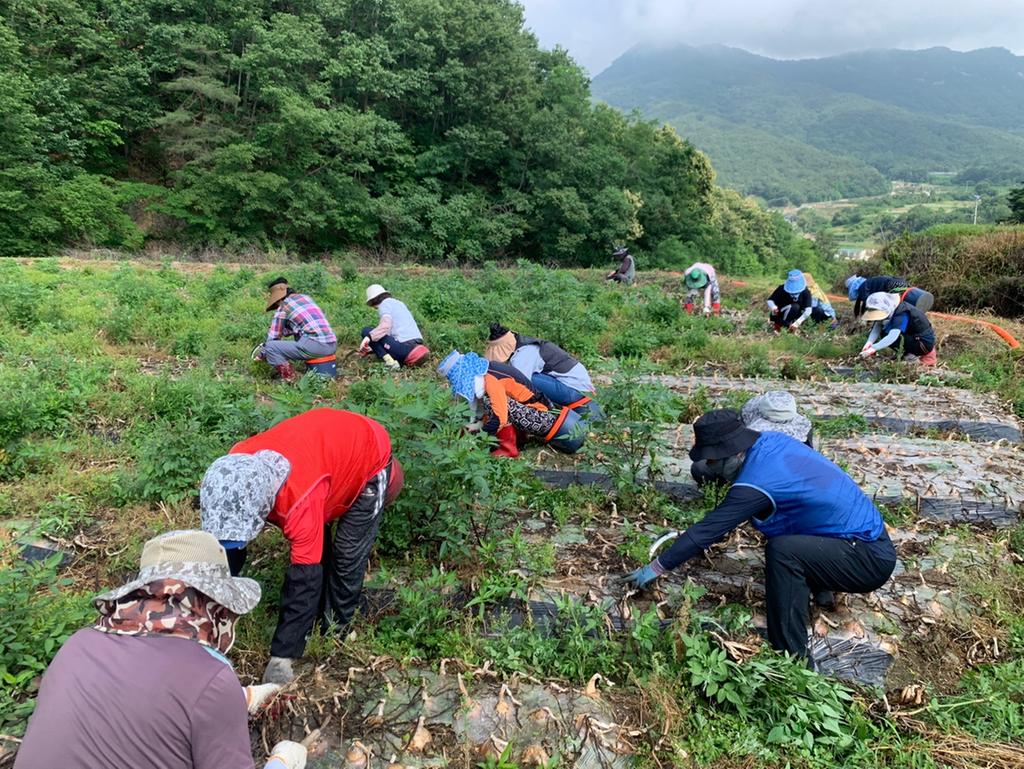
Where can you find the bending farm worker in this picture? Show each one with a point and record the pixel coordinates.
(823, 533)
(298, 316)
(858, 290)
(148, 686)
(321, 469)
(895, 321)
(396, 339)
(626, 271)
(791, 303)
(508, 406)
(698, 276)
(556, 374)
(776, 412)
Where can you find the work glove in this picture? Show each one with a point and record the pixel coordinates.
(287, 754)
(257, 696)
(258, 352)
(279, 671)
(642, 577)
(707, 312)
(868, 352)
(364, 346)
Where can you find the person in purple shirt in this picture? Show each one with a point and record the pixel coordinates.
(148, 685)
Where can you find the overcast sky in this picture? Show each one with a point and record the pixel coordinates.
(596, 31)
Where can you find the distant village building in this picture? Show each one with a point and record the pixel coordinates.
(856, 254)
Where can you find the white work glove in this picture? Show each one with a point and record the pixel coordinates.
(364, 346)
(707, 311)
(868, 351)
(279, 671)
(257, 696)
(287, 754)
(258, 352)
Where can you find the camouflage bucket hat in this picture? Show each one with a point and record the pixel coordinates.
(197, 559)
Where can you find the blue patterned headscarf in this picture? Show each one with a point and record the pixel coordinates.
(462, 371)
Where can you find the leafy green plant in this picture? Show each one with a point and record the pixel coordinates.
(37, 614)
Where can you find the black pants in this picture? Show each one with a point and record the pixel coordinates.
(388, 345)
(331, 589)
(796, 565)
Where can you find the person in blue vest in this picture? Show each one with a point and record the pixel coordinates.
(823, 533)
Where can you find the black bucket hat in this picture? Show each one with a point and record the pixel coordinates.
(720, 434)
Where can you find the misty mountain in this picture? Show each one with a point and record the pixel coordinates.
(839, 126)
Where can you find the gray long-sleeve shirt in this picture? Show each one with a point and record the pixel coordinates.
(137, 702)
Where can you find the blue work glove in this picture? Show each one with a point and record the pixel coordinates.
(642, 577)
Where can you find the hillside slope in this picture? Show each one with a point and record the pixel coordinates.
(820, 128)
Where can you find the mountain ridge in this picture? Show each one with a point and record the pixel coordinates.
(890, 112)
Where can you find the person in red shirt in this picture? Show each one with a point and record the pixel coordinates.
(319, 469)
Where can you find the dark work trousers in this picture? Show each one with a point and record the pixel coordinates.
(331, 589)
(797, 564)
(348, 551)
(388, 345)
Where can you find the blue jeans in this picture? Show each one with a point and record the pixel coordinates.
(562, 395)
(388, 345)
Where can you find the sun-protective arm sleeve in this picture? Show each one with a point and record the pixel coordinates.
(741, 504)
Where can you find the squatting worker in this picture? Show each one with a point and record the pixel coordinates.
(896, 323)
(148, 685)
(823, 532)
(297, 316)
(396, 339)
(321, 468)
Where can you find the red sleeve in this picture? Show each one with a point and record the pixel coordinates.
(304, 526)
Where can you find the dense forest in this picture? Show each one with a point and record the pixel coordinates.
(420, 128)
(836, 127)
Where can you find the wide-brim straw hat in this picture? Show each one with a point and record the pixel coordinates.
(278, 291)
(197, 559)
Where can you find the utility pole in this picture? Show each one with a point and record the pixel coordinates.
(977, 200)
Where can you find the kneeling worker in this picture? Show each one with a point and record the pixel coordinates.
(298, 316)
(823, 532)
(319, 468)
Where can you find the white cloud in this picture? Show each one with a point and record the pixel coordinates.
(597, 31)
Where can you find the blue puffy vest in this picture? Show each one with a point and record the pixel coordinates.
(810, 494)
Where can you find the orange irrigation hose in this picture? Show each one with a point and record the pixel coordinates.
(999, 331)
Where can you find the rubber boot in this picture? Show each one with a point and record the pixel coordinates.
(287, 372)
(390, 362)
(506, 443)
(716, 308)
(689, 308)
